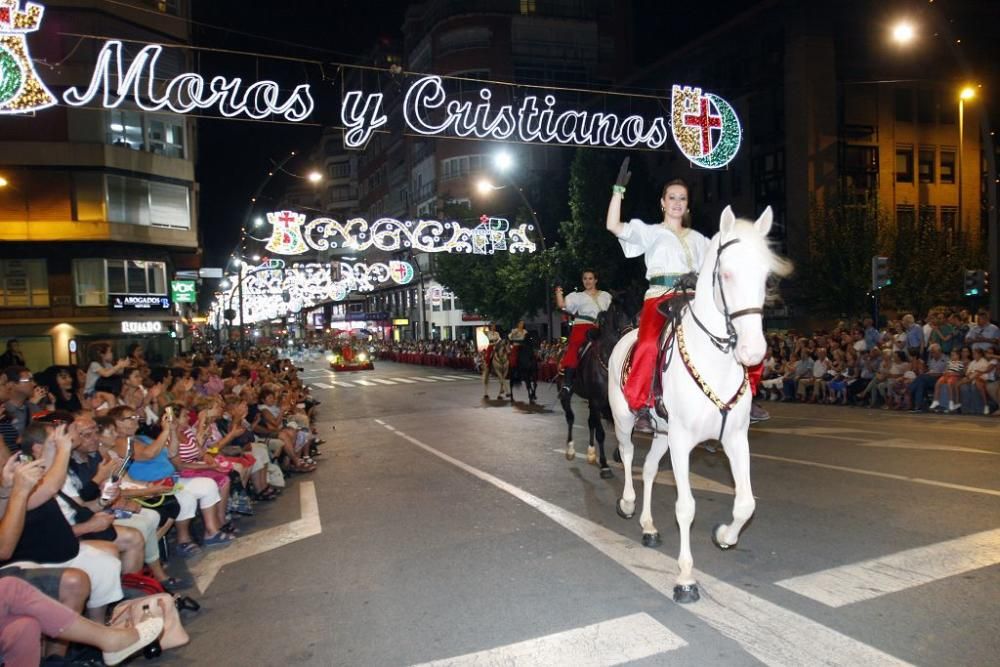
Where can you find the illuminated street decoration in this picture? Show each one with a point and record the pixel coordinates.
(292, 236)
(286, 237)
(274, 289)
(21, 89)
(708, 138)
(436, 294)
(184, 93)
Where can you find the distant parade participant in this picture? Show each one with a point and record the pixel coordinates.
(492, 337)
(584, 307)
(517, 334)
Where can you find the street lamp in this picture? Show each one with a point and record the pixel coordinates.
(967, 93)
(314, 176)
(903, 32)
(3, 182)
(503, 162)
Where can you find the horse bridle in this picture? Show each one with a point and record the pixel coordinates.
(727, 343)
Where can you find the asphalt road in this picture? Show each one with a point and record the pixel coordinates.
(444, 528)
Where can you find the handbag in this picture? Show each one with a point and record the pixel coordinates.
(160, 606)
(274, 475)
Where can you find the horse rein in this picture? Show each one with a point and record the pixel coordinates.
(728, 343)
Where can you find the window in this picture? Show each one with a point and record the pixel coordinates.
(928, 217)
(528, 7)
(903, 98)
(166, 136)
(947, 166)
(340, 170)
(125, 129)
(925, 165)
(96, 278)
(464, 38)
(456, 167)
(906, 219)
(861, 167)
(904, 164)
(24, 283)
(140, 202)
(949, 222)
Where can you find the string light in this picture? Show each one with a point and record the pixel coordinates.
(293, 236)
(21, 89)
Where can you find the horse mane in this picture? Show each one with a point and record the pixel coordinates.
(748, 233)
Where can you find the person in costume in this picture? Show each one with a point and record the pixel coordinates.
(671, 249)
(584, 307)
(517, 334)
(492, 337)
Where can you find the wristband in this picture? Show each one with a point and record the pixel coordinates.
(618, 190)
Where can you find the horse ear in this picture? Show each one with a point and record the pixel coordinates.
(728, 220)
(763, 224)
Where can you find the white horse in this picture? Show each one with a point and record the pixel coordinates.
(500, 366)
(705, 384)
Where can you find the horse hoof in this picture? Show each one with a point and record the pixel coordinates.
(591, 455)
(617, 456)
(686, 594)
(715, 538)
(651, 540)
(622, 513)
(570, 454)
(606, 473)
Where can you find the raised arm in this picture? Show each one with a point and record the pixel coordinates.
(614, 219)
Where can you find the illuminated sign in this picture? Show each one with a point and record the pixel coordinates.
(139, 302)
(704, 126)
(183, 291)
(292, 235)
(142, 327)
(401, 321)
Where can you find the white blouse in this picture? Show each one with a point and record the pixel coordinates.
(665, 252)
(581, 303)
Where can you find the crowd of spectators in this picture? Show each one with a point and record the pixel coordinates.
(108, 464)
(947, 363)
(461, 354)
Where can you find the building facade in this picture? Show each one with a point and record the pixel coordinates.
(99, 209)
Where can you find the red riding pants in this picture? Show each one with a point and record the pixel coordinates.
(577, 339)
(639, 386)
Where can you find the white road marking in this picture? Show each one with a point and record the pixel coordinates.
(205, 570)
(381, 381)
(405, 380)
(444, 378)
(772, 634)
(667, 477)
(322, 386)
(465, 377)
(903, 443)
(365, 383)
(896, 572)
(613, 642)
(420, 378)
(886, 475)
(341, 383)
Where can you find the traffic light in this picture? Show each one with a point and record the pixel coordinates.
(977, 282)
(880, 272)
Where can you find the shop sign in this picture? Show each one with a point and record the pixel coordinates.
(472, 317)
(401, 321)
(184, 291)
(369, 317)
(139, 302)
(143, 326)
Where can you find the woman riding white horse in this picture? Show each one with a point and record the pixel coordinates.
(671, 249)
(706, 384)
(584, 307)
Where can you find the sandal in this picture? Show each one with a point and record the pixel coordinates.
(303, 467)
(188, 550)
(220, 539)
(230, 528)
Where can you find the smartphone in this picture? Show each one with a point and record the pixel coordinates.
(25, 458)
(119, 513)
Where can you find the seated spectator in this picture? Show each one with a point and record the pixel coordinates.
(983, 335)
(103, 377)
(977, 374)
(952, 375)
(23, 397)
(937, 364)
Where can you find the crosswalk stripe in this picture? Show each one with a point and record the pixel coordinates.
(321, 385)
(381, 381)
(613, 642)
(365, 383)
(405, 380)
(423, 379)
(442, 377)
(773, 634)
(839, 586)
(341, 383)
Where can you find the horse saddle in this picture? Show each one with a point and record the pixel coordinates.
(664, 347)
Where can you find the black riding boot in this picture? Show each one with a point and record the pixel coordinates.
(643, 420)
(567, 383)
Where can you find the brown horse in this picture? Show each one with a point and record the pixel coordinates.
(500, 366)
